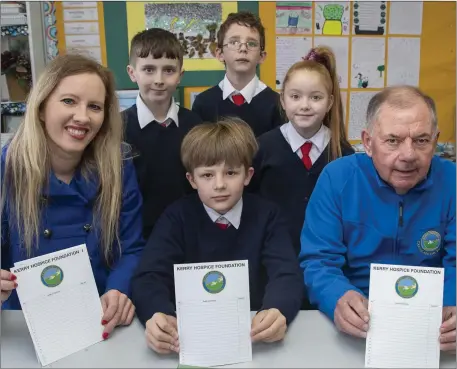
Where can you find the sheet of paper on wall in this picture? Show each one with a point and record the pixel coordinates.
(368, 62)
(340, 47)
(289, 50)
(79, 4)
(212, 298)
(405, 306)
(332, 18)
(60, 302)
(357, 113)
(294, 17)
(369, 17)
(405, 17)
(84, 14)
(81, 28)
(403, 61)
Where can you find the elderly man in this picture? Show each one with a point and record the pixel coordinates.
(382, 207)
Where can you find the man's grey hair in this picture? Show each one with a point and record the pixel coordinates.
(399, 97)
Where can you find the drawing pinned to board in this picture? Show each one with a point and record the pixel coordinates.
(332, 18)
(370, 17)
(399, 50)
(294, 17)
(195, 25)
(368, 62)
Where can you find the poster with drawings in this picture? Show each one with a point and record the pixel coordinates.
(194, 24)
(368, 62)
(331, 18)
(340, 48)
(370, 17)
(357, 113)
(294, 17)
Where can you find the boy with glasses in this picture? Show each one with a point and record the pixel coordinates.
(241, 47)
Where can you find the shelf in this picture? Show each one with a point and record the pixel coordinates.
(16, 30)
(12, 108)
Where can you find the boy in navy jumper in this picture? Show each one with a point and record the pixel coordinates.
(241, 47)
(220, 223)
(155, 125)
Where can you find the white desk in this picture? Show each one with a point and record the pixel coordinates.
(311, 342)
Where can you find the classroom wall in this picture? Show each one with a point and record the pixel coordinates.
(120, 20)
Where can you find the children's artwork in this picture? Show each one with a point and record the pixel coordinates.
(401, 49)
(357, 113)
(195, 25)
(370, 17)
(289, 50)
(294, 17)
(405, 18)
(340, 47)
(332, 18)
(368, 62)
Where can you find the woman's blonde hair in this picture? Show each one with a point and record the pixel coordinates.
(230, 140)
(322, 60)
(28, 165)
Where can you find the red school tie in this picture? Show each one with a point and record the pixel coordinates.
(222, 223)
(238, 99)
(305, 149)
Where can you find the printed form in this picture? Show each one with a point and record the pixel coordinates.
(213, 313)
(405, 306)
(60, 302)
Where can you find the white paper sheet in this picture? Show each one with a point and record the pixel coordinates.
(84, 14)
(213, 311)
(340, 48)
(60, 302)
(368, 62)
(369, 17)
(337, 21)
(405, 17)
(79, 4)
(403, 61)
(91, 52)
(82, 40)
(357, 113)
(81, 28)
(405, 306)
(289, 50)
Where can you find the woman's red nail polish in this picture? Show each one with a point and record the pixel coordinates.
(13, 277)
(105, 335)
(104, 322)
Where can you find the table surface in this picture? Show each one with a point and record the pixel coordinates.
(312, 341)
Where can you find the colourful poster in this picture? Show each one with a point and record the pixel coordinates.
(195, 25)
(294, 17)
(332, 18)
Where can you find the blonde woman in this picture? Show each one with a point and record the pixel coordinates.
(67, 182)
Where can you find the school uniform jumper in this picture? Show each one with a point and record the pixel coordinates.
(156, 149)
(281, 176)
(187, 232)
(355, 218)
(260, 109)
(67, 220)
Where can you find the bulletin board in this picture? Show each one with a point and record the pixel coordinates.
(427, 46)
(371, 46)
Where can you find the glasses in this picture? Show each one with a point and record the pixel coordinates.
(236, 45)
